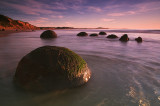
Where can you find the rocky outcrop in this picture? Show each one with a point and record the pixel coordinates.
(112, 36)
(8, 23)
(102, 33)
(82, 34)
(48, 34)
(94, 34)
(124, 38)
(139, 39)
(51, 68)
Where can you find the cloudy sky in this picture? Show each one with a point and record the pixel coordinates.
(132, 14)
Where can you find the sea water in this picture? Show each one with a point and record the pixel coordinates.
(123, 73)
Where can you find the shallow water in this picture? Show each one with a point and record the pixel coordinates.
(123, 74)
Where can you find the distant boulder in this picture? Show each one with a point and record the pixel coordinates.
(48, 34)
(112, 36)
(124, 38)
(51, 68)
(102, 33)
(139, 39)
(82, 34)
(94, 34)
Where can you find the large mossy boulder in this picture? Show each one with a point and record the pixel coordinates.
(102, 33)
(48, 34)
(139, 39)
(124, 38)
(112, 36)
(82, 34)
(51, 68)
(94, 34)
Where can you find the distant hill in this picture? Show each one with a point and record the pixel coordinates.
(8, 23)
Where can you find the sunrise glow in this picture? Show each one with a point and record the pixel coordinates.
(141, 14)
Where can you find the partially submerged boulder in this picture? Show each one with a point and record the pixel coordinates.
(94, 34)
(139, 39)
(48, 34)
(51, 68)
(124, 38)
(102, 33)
(112, 36)
(82, 34)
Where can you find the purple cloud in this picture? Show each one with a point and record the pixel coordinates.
(31, 7)
(94, 9)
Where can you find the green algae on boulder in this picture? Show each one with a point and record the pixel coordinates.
(48, 34)
(51, 68)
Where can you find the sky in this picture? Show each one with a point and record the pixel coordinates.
(119, 14)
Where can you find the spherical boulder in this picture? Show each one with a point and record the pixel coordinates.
(51, 68)
(48, 34)
(124, 38)
(94, 34)
(139, 39)
(82, 34)
(102, 33)
(112, 36)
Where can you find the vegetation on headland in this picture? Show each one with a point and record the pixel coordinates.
(11, 24)
(8, 23)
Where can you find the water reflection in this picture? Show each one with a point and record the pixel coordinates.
(123, 74)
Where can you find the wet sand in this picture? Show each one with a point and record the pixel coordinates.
(9, 32)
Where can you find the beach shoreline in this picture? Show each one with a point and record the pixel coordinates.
(9, 32)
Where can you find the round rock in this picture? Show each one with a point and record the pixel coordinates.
(94, 34)
(112, 36)
(139, 39)
(51, 68)
(48, 34)
(102, 33)
(82, 34)
(124, 38)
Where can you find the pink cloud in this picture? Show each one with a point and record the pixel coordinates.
(69, 24)
(122, 13)
(136, 9)
(58, 16)
(150, 6)
(58, 6)
(116, 14)
(68, 4)
(107, 20)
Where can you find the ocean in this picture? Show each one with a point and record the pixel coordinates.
(123, 73)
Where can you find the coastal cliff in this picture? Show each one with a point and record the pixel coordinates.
(10, 24)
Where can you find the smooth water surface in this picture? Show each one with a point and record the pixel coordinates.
(123, 73)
